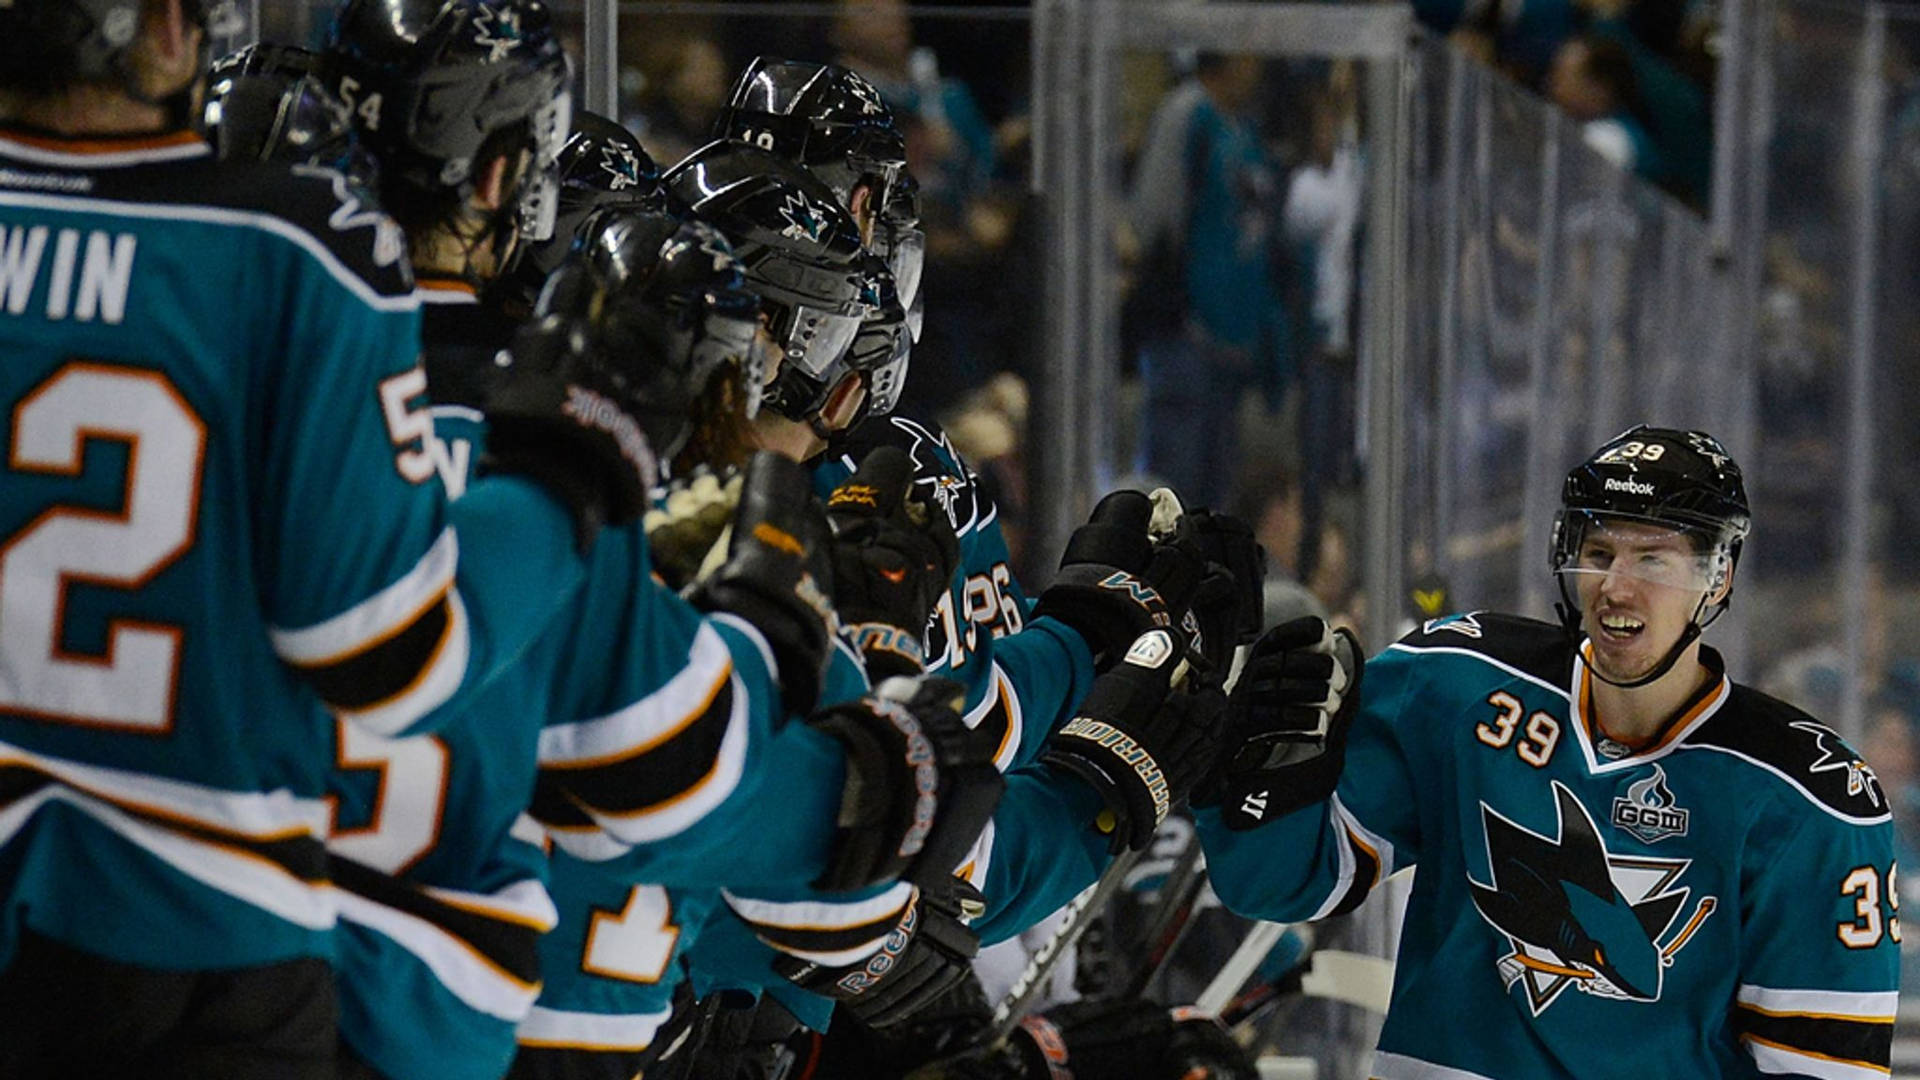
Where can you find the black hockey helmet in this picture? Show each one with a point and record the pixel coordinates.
(601, 169)
(667, 298)
(824, 117)
(803, 254)
(48, 44)
(267, 103)
(429, 81)
(1684, 481)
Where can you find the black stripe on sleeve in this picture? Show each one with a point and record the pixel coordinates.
(1366, 874)
(822, 939)
(647, 778)
(386, 669)
(1855, 1041)
(511, 947)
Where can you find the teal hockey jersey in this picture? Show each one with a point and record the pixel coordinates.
(217, 504)
(1718, 904)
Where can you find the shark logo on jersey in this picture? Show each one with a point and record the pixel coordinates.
(497, 31)
(1465, 625)
(1647, 810)
(930, 472)
(1576, 915)
(1836, 755)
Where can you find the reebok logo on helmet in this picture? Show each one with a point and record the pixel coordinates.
(1628, 486)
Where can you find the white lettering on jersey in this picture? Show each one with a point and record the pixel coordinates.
(106, 272)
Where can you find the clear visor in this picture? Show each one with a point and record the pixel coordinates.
(890, 378)
(811, 340)
(732, 336)
(539, 204)
(907, 258)
(1592, 547)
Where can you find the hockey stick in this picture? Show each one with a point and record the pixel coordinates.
(1173, 914)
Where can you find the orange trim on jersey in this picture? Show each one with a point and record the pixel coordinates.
(445, 285)
(1378, 869)
(1855, 1062)
(497, 914)
(1816, 1015)
(1006, 705)
(705, 706)
(1674, 730)
(103, 144)
(1707, 904)
(561, 1044)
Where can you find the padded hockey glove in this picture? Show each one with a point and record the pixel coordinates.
(1115, 583)
(1230, 603)
(684, 527)
(920, 784)
(892, 560)
(777, 575)
(1287, 722)
(1138, 742)
(563, 414)
(929, 952)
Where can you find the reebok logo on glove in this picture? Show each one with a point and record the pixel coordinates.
(882, 961)
(1126, 749)
(926, 775)
(595, 410)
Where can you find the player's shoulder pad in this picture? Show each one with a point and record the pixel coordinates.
(335, 220)
(1540, 650)
(1808, 755)
(940, 475)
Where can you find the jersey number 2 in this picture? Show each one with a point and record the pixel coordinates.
(131, 687)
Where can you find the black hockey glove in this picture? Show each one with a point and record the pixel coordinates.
(928, 953)
(1137, 741)
(1115, 583)
(1127, 1040)
(892, 560)
(1229, 604)
(920, 784)
(777, 575)
(1287, 722)
(562, 414)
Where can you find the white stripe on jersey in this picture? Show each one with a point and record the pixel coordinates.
(589, 845)
(215, 215)
(1781, 1061)
(1400, 1067)
(431, 688)
(1872, 1006)
(523, 903)
(258, 815)
(244, 876)
(454, 963)
(635, 728)
(87, 161)
(758, 640)
(978, 859)
(826, 915)
(376, 617)
(557, 1029)
(1344, 820)
(683, 811)
(1000, 686)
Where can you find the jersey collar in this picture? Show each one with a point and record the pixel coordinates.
(98, 151)
(434, 290)
(1697, 711)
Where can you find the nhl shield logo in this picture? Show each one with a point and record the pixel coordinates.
(1647, 810)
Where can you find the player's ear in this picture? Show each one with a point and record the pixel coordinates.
(494, 181)
(1718, 594)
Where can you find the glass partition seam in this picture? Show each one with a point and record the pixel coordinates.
(1542, 489)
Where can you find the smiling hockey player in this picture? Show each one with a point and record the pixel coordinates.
(1631, 866)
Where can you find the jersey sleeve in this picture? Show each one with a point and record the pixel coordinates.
(1022, 687)
(1819, 943)
(1324, 859)
(1039, 851)
(363, 585)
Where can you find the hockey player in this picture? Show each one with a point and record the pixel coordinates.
(219, 491)
(1630, 865)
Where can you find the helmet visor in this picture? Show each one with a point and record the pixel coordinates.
(1590, 546)
(811, 340)
(540, 193)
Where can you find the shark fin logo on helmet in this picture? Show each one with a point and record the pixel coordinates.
(870, 104)
(804, 220)
(1576, 915)
(621, 165)
(498, 32)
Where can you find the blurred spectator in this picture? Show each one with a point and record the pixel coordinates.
(678, 118)
(1331, 580)
(1592, 80)
(1203, 204)
(1270, 501)
(989, 430)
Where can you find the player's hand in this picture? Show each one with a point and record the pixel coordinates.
(892, 560)
(928, 953)
(1287, 722)
(1138, 741)
(1115, 583)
